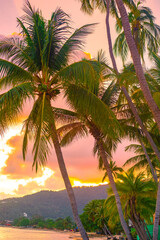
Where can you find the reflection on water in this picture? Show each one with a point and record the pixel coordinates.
(7, 233)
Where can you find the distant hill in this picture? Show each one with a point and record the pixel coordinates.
(49, 204)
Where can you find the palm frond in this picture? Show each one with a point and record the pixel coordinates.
(65, 116)
(12, 74)
(83, 101)
(36, 28)
(74, 42)
(110, 95)
(120, 47)
(58, 29)
(70, 132)
(37, 127)
(85, 72)
(86, 6)
(12, 103)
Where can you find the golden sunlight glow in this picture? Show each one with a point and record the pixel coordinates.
(5, 150)
(47, 173)
(77, 183)
(88, 55)
(7, 185)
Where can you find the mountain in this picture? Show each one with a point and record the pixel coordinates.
(49, 204)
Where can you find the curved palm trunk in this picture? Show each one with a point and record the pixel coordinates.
(97, 136)
(137, 63)
(130, 103)
(113, 185)
(145, 89)
(140, 229)
(124, 90)
(67, 183)
(139, 121)
(137, 222)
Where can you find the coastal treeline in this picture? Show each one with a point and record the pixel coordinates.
(39, 222)
(109, 103)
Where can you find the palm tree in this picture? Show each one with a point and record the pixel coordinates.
(156, 74)
(137, 63)
(34, 64)
(89, 7)
(95, 213)
(128, 79)
(144, 30)
(86, 119)
(140, 159)
(114, 168)
(139, 72)
(138, 196)
(103, 5)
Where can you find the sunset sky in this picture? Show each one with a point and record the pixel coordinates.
(16, 176)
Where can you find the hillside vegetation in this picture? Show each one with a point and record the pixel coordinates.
(49, 204)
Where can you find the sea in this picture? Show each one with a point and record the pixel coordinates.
(9, 233)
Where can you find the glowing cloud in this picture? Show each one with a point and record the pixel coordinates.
(77, 183)
(5, 149)
(7, 185)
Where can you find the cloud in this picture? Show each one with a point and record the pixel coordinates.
(15, 167)
(4, 195)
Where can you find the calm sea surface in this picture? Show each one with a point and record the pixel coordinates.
(7, 233)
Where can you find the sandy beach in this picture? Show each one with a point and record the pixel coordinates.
(10, 233)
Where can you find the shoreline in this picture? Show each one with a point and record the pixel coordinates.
(72, 234)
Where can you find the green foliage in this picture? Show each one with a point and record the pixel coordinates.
(36, 219)
(65, 223)
(144, 30)
(49, 204)
(40, 222)
(89, 225)
(93, 215)
(49, 223)
(22, 222)
(36, 66)
(137, 195)
(94, 111)
(114, 168)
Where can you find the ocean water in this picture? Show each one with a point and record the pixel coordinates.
(7, 233)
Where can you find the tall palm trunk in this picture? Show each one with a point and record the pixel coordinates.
(113, 185)
(145, 89)
(139, 121)
(67, 183)
(97, 136)
(124, 90)
(137, 63)
(137, 222)
(139, 229)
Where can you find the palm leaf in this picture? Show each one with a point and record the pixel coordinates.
(37, 127)
(74, 42)
(83, 101)
(85, 72)
(12, 101)
(65, 116)
(12, 74)
(71, 132)
(13, 49)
